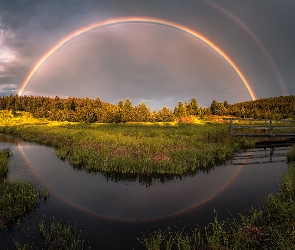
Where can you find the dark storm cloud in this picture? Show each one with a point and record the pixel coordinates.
(28, 28)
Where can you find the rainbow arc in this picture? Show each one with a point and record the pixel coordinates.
(149, 20)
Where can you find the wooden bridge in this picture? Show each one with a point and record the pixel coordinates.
(262, 128)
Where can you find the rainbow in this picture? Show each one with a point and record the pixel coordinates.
(150, 20)
(256, 40)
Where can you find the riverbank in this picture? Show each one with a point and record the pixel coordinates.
(130, 148)
(271, 226)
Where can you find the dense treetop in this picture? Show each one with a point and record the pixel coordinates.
(88, 110)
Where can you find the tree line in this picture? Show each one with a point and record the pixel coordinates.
(275, 108)
(74, 109)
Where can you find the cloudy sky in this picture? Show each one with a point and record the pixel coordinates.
(149, 62)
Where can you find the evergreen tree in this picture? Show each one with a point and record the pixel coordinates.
(141, 113)
(127, 113)
(192, 108)
(180, 110)
(225, 104)
(165, 115)
(217, 108)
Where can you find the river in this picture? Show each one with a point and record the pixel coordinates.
(114, 212)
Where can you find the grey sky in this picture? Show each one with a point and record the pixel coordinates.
(145, 62)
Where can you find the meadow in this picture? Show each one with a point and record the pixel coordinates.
(130, 148)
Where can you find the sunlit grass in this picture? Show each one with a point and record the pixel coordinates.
(131, 148)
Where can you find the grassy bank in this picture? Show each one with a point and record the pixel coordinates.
(272, 226)
(17, 198)
(144, 149)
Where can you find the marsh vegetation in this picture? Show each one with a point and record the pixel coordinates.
(130, 148)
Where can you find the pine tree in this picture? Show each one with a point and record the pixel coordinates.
(192, 108)
(141, 113)
(127, 113)
(165, 115)
(180, 110)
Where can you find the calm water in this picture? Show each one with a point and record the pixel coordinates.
(113, 213)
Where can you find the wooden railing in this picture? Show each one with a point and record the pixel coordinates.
(270, 127)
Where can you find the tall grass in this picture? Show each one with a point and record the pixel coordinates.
(17, 199)
(57, 235)
(271, 226)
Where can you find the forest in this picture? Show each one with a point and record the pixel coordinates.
(74, 109)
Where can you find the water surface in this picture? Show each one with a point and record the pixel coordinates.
(113, 213)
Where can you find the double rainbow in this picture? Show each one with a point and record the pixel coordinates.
(150, 20)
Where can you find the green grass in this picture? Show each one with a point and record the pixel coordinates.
(17, 198)
(271, 226)
(57, 235)
(142, 149)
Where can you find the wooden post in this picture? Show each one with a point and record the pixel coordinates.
(270, 127)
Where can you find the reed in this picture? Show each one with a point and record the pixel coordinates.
(58, 235)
